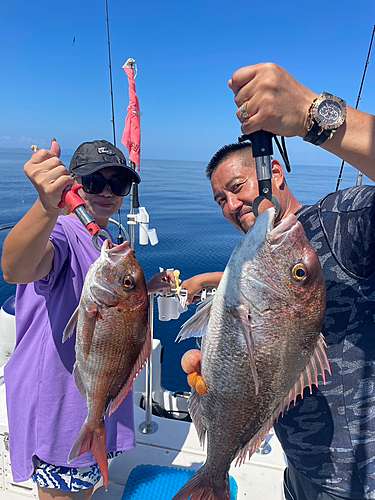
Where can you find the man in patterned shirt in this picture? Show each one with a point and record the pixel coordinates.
(329, 435)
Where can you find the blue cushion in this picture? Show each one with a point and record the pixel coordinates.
(161, 483)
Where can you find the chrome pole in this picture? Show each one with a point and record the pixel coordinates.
(148, 426)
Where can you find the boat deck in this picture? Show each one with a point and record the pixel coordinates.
(175, 444)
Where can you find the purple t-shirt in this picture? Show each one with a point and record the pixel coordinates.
(45, 409)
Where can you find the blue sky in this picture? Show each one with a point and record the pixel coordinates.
(185, 52)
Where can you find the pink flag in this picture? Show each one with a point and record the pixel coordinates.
(132, 132)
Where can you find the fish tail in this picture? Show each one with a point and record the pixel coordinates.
(201, 487)
(94, 440)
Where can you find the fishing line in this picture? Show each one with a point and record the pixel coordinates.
(360, 174)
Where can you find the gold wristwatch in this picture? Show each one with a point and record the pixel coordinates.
(327, 114)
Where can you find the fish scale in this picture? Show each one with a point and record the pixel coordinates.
(261, 346)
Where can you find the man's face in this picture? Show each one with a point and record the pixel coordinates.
(235, 186)
(105, 204)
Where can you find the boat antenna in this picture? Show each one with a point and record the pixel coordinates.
(360, 174)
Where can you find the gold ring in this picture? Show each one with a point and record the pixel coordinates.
(244, 114)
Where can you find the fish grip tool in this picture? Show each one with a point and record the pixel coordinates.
(76, 205)
(261, 144)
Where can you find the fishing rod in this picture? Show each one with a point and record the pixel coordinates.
(360, 174)
(110, 75)
(120, 237)
(148, 426)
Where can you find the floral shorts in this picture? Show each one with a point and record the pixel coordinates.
(68, 478)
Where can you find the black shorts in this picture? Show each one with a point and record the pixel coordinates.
(298, 487)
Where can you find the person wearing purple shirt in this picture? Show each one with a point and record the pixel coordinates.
(48, 256)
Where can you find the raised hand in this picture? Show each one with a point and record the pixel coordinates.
(270, 99)
(49, 176)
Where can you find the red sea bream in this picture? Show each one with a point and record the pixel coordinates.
(261, 346)
(112, 342)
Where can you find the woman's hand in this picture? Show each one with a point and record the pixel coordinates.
(160, 281)
(49, 176)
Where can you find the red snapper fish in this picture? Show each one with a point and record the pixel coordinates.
(261, 346)
(113, 342)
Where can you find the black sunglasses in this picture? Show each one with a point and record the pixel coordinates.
(95, 183)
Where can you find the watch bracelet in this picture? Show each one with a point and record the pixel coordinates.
(317, 136)
(320, 137)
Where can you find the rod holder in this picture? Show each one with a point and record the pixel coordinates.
(149, 426)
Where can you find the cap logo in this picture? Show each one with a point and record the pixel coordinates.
(106, 151)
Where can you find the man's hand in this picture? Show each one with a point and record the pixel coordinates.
(196, 284)
(191, 364)
(193, 286)
(273, 100)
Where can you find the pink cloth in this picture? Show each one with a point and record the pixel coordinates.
(132, 132)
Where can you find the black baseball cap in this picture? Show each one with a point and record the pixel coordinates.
(90, 157)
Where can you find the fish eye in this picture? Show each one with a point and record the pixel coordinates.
(128, 282)
(299, 272)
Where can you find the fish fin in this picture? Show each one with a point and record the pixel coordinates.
(246, 324)
(69, 329)
(88, 329)
(200, 487)
(196, 326)
(138, 365)
(79, 384)
(195, 410)
(94, 440)
(316, 366)
(251, 447)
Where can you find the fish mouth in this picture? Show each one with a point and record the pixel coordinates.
(278, 232)
(111, 250)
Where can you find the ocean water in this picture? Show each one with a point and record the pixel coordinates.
(193, 235)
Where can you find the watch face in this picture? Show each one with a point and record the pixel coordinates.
(329, 113)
